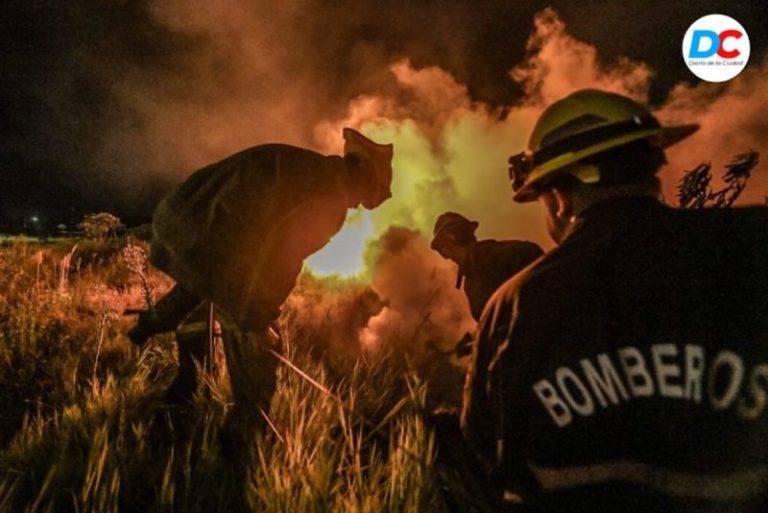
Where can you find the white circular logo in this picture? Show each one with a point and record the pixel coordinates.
(716, 48)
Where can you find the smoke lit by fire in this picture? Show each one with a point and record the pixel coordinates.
(450, 151)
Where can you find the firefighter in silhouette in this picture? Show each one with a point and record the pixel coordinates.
(236, 234)
(627, 369)
(483, 265)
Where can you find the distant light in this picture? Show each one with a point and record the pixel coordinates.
(34, 219)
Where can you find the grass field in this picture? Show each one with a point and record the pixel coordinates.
(84, 427)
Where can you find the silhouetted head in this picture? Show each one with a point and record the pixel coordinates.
(370, 168)
(589, 147)
(453, 236)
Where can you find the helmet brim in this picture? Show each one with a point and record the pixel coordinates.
(670, 135)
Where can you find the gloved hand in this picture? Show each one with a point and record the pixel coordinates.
(142, 331)
(464, 346)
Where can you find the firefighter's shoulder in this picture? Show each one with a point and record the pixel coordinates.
(504, 300)
(493, 246)
(561, 276)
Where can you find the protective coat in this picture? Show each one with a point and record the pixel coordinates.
(237, 232)
(489, 264)
(627, 370)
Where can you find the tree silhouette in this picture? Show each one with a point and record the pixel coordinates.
(100, 226)
(695, 187)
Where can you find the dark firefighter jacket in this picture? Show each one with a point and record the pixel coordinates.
(237, 232)
(489, 264)
(628, 369)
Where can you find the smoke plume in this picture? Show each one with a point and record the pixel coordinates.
(732, 118)
(451, 152)
(203, 80)
(424, 310)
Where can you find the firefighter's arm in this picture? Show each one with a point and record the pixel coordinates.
(479, 420)
(164, 316)
(493, 417)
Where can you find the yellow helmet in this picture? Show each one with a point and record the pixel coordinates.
(580, 125)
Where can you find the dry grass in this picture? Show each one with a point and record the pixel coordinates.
(84, 428)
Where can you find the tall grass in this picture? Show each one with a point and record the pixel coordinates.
(85, 427)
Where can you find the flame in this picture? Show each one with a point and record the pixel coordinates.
(343, 255)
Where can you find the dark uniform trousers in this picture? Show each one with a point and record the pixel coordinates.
(248, 348)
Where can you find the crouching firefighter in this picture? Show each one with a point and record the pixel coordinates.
(236, 234)
(627, 369)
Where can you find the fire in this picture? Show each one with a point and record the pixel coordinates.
(343, 255)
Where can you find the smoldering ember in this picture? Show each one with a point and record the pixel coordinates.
(428, 257)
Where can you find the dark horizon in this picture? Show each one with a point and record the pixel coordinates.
(77, 77)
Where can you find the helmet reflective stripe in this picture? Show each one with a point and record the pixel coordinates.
(523, 163)
(584, 140)
(581, 125)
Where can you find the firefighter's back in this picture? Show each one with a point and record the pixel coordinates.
(237, 231)
(655, 397)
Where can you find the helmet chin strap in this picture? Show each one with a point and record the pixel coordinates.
(564, 204)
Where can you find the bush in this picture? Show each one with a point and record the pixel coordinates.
(101, 225)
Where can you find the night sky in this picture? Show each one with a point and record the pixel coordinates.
(74, 74)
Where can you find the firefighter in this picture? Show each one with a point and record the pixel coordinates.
(627, 369)
(483, 265)
(235, 234)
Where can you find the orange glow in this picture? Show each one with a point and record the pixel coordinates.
(343, 255)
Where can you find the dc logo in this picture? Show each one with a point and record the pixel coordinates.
(716, 48)
(716, 44)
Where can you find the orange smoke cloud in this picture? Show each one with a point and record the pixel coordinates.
(451, 154)
(244, 73)
(408, 303)
(733, 120)
(423, 308)
(559, 64)
(250, 84)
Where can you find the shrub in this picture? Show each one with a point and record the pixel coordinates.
(101, 225)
